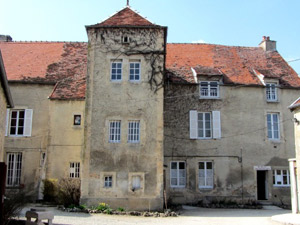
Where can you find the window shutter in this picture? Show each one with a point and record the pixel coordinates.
(7, 122)
(193, 124)
(28, 122)
(216, 124)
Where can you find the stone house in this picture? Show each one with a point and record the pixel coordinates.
(295, 162)
(140, 121)
(5, 102)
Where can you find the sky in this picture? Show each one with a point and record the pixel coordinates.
(225, 22)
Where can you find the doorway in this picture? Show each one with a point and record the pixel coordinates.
(262, 185)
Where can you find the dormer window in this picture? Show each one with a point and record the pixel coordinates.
(126, 40)
(271, 92)
(209, 89)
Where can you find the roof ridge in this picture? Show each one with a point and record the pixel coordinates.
(233, 46)
(41, 42)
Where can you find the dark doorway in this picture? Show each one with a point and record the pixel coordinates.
(262, 186)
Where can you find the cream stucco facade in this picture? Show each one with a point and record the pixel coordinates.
(3, 104)
(123, 101)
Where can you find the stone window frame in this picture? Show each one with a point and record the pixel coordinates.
(74, 118)
(102, 180)
(131, 176)
(177, 177)
(208, 94)
(117, 63)
(206, 186)
(14, 169)
(280, 178)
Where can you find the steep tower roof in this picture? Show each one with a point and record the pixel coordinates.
(124, 18)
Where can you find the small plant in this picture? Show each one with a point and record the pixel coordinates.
(103, 207)
(50, 190)
(120, 209)
(68, 191)
(82, 207)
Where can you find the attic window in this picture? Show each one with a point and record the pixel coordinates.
(126, 40)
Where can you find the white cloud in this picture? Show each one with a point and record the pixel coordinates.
(199, 42)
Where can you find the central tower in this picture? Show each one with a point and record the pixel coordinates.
(123, 152)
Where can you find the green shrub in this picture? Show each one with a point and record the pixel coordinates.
(120, 209)
(50, 190)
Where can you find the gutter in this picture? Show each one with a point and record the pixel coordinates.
(4, 84)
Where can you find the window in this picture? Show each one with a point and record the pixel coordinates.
(18, 122)
(209, 89)
(74, 169)
(134, 71)
(115, 131)
(136, 183)
(116, 70)
(271, 92)
(178, 175)
(281, 178)
(108, 181)
(126, 39)
(205, 125)
(134, 132)
(206, 175)
(77, 120)
(273, 126)
(14, 168)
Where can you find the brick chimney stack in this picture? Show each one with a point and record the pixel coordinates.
(267, 44)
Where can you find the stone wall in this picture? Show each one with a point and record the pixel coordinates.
(243, 149)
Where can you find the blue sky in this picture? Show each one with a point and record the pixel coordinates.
(226, 22)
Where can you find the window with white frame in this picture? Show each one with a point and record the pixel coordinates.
(206, 175)
(108, 181)
(116, 70)
(178, 174)
(14, 169)
(136, 182)
(273, 126)
(209, 89)
(271, 92)
(74, 169)
(134, 71)
(205, 125)
(134, 131)
(18, 122)
(281, 178)
(115, 131)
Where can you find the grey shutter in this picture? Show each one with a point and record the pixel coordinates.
(216, 124)
(193, 124)
(7, 122)
(28, 122)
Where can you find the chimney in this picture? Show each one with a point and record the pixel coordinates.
(267, 45)
(5, 38)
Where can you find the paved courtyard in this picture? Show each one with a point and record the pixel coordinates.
(189, 216)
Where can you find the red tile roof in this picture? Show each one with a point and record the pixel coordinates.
(66, 63)
(125, 17)
(43, 62)
(238, 64)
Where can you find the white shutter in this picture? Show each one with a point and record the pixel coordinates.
(216, 124)
(193, 124)
(28, 122)
(7, 122)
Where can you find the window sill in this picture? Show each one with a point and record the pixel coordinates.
(282, 186)
(116, 81)
(272, 101)
(213, 98)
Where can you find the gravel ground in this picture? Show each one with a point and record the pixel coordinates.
(189, 216)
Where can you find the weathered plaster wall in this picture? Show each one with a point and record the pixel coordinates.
(124, 100)
(244, 136)
(65, 138)
(34, 97)
(3, 105)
